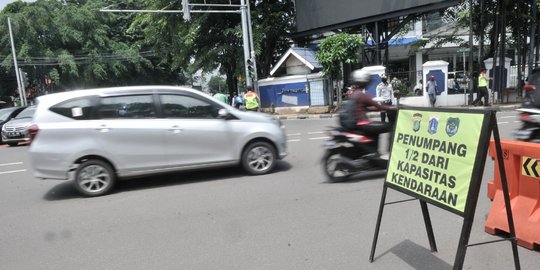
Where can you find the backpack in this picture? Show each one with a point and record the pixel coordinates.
(238, 100)
(347, 114)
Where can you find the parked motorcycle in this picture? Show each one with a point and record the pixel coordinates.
(530, 125)
(349, 153)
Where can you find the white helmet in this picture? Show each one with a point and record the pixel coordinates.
(360, 78)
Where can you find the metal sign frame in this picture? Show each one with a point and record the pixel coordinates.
(489, 127)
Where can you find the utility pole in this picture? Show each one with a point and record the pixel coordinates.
(22, 95)
(532, 34)
(471, 54)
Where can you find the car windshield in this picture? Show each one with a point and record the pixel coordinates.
(26, 113)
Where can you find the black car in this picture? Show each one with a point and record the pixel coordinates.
(7, 114)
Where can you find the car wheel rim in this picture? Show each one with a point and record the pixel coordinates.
(260, 158)
(94, 178)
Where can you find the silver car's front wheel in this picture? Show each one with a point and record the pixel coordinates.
(94, 178)
(259, 158)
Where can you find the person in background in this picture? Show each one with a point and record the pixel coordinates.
(432, 90)
(482, 89)
(418, 88)
(385, 93)
(251, 100)
(237, 100)
(220, 96)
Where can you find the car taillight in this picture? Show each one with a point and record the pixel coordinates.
(33, 131)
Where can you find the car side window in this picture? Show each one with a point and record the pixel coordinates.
(78, 108)
(179, 106)
(127, 107)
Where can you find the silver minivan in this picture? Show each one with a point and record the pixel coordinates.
(97, 136)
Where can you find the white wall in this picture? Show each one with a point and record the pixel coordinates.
(296, 67)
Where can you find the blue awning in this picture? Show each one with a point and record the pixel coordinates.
(396, 41)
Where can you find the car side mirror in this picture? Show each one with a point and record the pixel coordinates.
(223, 113)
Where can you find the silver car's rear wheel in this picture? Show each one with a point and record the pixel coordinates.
(94, 178)
(259, 158)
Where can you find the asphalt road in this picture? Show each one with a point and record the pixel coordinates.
(224, 219)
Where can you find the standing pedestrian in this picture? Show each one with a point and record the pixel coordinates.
(482, 89)
(251, 100)
(220, 96)
(385, 93)
(431, 86)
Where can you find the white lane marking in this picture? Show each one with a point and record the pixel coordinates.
(9, 164)
(315, 132)
(295, 140)
(16, 171)
(294, 134)
(503, 122)
(511, 116)
(517, 121)
(318, 138)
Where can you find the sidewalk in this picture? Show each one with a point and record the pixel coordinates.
(303, 115)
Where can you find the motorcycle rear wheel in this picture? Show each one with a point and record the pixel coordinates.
(335, 170)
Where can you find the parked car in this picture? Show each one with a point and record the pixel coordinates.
(16, 129)
(97, 136)
(7, 114)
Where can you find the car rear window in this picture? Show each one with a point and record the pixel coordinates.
(78, 109)
(122, 107)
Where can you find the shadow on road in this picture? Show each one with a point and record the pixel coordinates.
(66, 190)
(416, 256)
(375, 175)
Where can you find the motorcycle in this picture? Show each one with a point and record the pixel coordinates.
(530, 128)
(350, 153)
(529, 114)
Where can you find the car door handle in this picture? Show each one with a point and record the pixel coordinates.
(175, 129)
(103, 128)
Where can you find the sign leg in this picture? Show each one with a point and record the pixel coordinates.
(429, 228)
(378, 226)
(506, 192)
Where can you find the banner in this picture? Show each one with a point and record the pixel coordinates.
(433, 155)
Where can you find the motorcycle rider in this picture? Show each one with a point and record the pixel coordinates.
(354, 113)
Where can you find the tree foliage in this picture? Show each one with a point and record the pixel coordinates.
(218, 84)
(337, 49)
(75, 45)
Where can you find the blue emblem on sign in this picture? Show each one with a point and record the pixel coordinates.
(433, 124)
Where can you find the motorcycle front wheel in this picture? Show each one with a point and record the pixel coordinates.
(334, 169)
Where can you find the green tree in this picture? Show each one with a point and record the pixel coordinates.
(214, 40)
(218, 84)
(336, 50)
(76, 45)
(273, 22)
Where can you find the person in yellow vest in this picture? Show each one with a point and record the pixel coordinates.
(251, 100)
(482, 89)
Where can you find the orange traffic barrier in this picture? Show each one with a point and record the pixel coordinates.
(522, 165)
